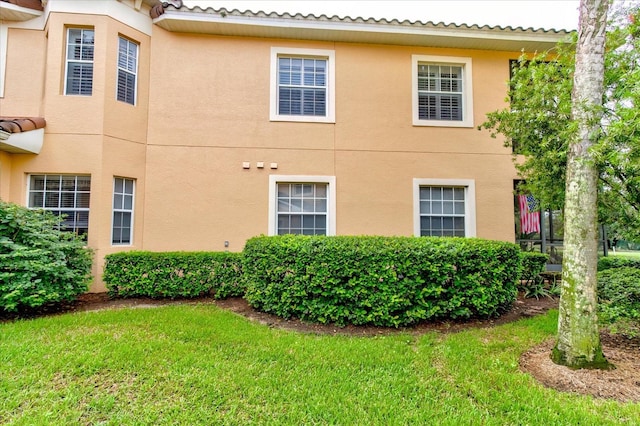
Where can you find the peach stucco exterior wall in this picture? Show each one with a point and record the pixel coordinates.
(203, 109)
(94, 135)
(210, 118)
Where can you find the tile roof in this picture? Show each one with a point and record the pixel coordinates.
(160, 7)
(174, 16)
(18, 125)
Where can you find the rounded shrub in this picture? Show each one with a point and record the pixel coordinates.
(39, 263)
(384, 281)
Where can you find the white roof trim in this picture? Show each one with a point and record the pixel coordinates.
(222, 22)
(12, 12)
(29, 142)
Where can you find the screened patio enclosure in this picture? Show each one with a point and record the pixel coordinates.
(549, 237)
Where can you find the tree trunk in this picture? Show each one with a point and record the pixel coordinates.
(578, 343)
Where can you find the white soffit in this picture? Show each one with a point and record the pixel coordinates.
(348, 30)
(22, 142)
(15, 13)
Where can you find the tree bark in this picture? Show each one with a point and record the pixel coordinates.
(578, 343)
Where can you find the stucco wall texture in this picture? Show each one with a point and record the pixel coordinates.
(202, 110)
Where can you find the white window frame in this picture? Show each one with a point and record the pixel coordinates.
(67, 62)
(122, 209)
(59, 209)
(329, 55)
(469, 201)
(274, 180)
(467, 89)
(127, 71)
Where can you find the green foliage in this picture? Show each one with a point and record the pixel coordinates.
(532, 284)
(174, 274)
(201, 365)
(538, 123)
(610, 262)
(385, 281)
(39, 264)
(533, 264)
(619, 299)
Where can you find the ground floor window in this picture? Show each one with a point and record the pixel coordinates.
(63, 195)
(444, 208)
(122, 226)
(302, 205)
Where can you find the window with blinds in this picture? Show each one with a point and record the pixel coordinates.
(122, 227)
(302, 85)
(67, 196)
(302, 208)
(302, 204)
(79, 62)
(127, 70)
(442, 91)
(442, 211)
(444, 207)
(439, 92)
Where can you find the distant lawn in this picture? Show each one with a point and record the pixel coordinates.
(633, 254)
(201, 365)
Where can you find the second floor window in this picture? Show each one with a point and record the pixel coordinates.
(302, 85)
(442, 93)
(79, 62)
(127, 70)
(439, 92)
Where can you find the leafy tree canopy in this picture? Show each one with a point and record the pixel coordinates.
(538, 124)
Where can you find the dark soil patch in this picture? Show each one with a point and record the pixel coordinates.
(622, 384)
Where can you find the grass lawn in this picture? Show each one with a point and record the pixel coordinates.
(186, 364)
(631, 254)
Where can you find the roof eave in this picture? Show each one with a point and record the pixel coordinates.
(22, 143)
(15, 13)
(435, 35)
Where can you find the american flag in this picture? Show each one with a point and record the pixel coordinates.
(529, 216)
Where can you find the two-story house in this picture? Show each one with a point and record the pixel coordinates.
(163, 127)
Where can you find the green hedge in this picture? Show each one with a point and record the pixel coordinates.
(173, 274)
(533, 264)
(39, 264)
(384, 281)
(619, 299)
(610, 262)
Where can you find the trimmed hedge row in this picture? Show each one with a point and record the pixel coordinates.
(173, 274)
(611, 262)
(384, 281)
